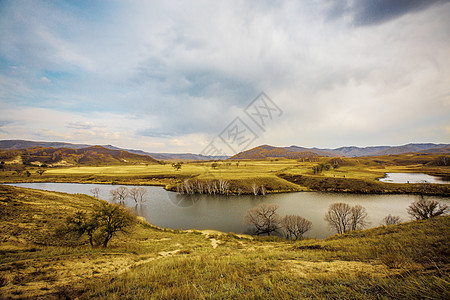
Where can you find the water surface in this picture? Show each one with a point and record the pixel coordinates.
(414, 178)
(225, 213)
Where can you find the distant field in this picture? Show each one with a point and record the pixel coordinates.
(276, 175)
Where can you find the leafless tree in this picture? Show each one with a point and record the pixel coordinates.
(255, 189)
(223, 186)
(96, 192)
(137, 194)
(342, 217)
(200, 187)
(295, 226)
(263, 190)
(425, 209)
(391, 220)
(339, 217)
(121, 193)
(358, 218)
(188, 188)
(264, 218)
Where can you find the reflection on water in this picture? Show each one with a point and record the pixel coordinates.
(414, 178)
(225, 213)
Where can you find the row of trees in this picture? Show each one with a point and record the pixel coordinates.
(210, 187)
(265, 220)
(213, 187)
(323, 167)
(122, 193)
(20, 172)
(342, 217)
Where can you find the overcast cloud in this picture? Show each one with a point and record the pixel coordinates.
(168, 76)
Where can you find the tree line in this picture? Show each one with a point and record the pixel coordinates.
(341, 217)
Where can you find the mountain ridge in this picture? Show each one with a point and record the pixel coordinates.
(296, 152)
(25, 144)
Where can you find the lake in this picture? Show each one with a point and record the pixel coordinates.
(225, 213)
(414, 178)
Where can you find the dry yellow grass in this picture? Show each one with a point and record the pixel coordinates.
(409, 260)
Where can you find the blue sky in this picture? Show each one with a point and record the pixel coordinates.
(169, 76)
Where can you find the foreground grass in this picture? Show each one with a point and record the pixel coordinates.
(407, 261)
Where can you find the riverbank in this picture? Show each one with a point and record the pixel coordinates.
(251, 177)
(409, 260)
(361, 186)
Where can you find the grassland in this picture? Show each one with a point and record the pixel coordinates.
(406, 261)
(355, 175)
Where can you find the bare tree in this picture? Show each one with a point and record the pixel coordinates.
(263, 190)
(339, 217)
(295, 226)
(391, 220)
(95, 191)
(255, 189)
(223, 186)
(358, 218)
(137, 194)
(425, 209)
(343, 217)
(121, 193)
(264, 218)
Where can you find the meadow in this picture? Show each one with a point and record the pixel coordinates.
(355, 175)
(405, 261)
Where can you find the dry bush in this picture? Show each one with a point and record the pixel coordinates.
(425, 209)
(391, 220)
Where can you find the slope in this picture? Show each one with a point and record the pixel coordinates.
(406, 261)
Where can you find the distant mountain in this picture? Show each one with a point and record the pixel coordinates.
(94, 155)
(24, 144)
(266, 151)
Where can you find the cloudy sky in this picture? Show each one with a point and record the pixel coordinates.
(169, 76)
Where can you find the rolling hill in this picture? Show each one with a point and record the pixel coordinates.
(93, 155)
(296, 152)
(24, 144)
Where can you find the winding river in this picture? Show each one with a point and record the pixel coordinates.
(225, 213)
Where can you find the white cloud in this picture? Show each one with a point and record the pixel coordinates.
(173, 74)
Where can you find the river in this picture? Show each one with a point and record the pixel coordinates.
(226, 213)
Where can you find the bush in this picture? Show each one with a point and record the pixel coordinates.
(426, 209)
(101, 225)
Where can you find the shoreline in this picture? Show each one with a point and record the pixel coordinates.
(304, 183)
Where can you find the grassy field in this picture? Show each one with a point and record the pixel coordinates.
(276, 175)
(406, 261)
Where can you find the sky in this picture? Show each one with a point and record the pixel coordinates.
(177, 76)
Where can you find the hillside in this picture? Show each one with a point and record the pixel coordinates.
(24, 144)
(406, 261)
(94, 155)
(294, 152)
(266, 151)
